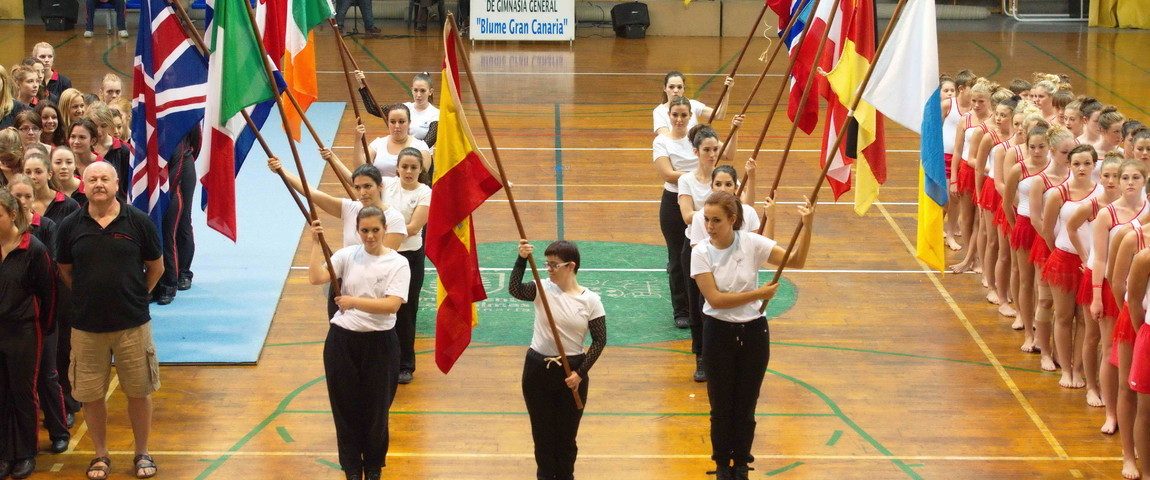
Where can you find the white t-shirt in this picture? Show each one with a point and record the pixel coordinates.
(661, 115)
(736, 269)
(699, 191)
(396, 197)
(384, 160)
(420, 121)
(572, 314)
(370, 276)
(681, 153)
(697, 229)
(351, 208)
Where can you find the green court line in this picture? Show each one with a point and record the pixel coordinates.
(109, 64)
(403, 87)
(783, 469)
(703, 86)
(219, 462)
(997, 61)
(586, 414)
(65, 42)
(287, 438)
(558, 174)
(329, 464)
(850, 423)
(834, 438)
(1087, 77)
(1120, 57)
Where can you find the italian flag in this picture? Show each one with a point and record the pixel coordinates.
(299, 59)
(235, 81)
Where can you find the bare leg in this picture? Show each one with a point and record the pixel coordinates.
(1064, 313)
(989, 258)
(96, 414)
(968, 222)
(1002, 274)
(1025, 298)
(1127, 412)
(1078, 374)
(1090, 365)
(140, 414)
(1042, 318)
(1108, 379)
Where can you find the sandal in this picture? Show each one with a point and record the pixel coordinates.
(99, 472)
(143, 461)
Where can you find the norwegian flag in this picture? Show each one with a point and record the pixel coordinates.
(169, 80)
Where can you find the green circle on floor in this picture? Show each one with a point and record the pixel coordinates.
(631, 279)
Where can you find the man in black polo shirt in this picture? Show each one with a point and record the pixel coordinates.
(109, 254)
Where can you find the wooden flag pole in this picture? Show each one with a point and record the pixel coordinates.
(343, 54)
(855, 99)
(782, 88)
(734, 69)
(314, 135)
(186, 25)
(335, 281)
(354, 66)
(763, 75)
(511, 200)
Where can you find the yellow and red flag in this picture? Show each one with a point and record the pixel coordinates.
(460, 184)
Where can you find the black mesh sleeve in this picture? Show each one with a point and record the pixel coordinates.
(516, 287)
(598, 327)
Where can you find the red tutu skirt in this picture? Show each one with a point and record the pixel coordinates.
(1024, 233)
(1001, 222)
(1063, 270)
(948, 157)
(1140, 364)
(1123, 333)
(1086, 294)
(1039, 252)
(965, 179)
(989, 200)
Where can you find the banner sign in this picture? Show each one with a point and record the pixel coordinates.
(529, 20)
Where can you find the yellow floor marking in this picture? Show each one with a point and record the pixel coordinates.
(990, 357)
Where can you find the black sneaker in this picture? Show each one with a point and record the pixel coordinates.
(184, 282)
(723, 472)
(372, 31)
(700, 372)
(405, 377)
(741, 472)
(682, 322)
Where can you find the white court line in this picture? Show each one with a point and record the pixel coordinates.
(885, 458)
(521, 74)
(628, 149)
(662, 270)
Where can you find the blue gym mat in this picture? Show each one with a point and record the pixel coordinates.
(225, 317)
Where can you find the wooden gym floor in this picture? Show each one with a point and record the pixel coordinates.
(879, 369)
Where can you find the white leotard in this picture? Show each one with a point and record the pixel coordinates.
(1069, 206)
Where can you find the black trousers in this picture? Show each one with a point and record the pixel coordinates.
(736, 360)
(405, 317)
(362, 370)
(694, 302)
(48, 387)
(671, 223)
(64, 314)
(179, 242)
(19, 357)
(554, 418)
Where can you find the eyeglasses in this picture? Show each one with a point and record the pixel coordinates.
(555, 266)
(30, 129)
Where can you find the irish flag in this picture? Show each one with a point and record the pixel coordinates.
(904, 87)
(299, 59)
(235, 81)
(461, 183)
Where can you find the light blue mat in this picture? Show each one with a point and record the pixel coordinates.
(226, 315)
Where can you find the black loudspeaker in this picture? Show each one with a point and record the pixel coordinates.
(630, 20)
(59, 14)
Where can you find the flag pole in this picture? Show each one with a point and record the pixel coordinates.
(511, 200)
(335, 281)
(782, 88)
(855, 99)
(354, 64)
(770, 61)
(186, 25)
(314, 135)
(343, 54)
(734, 69)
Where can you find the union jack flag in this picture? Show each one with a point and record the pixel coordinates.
(169, 80)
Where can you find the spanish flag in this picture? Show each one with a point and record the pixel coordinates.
(460, 184)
